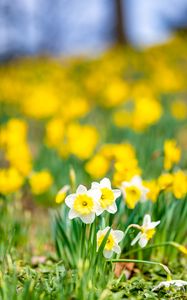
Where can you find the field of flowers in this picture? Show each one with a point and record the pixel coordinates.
(93, 181)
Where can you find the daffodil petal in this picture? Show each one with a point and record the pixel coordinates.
(112, 209)
(70, 200)
(81, 189)
(105, 182)
(117, 249)
(107, 253)
(136, 239)
(72, 214)
(143, 241)
(88, 219)
(118, 234)
(117, 193)
(146, 220)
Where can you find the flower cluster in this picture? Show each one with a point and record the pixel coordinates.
(86, 204)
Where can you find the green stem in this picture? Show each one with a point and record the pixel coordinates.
(83, 235)
(169, 243)
(130, 226)
(166, 269)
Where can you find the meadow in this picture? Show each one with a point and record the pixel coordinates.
(93, 178)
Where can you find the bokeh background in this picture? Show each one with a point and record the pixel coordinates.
(90, 89)
(76, 27)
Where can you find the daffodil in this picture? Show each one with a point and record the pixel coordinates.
(147, 231)
(115, 236)
(61, 195)
(168, 283)
(40, 182)
(84, 204)
(134, 191)
(172, 154)
(108, 196)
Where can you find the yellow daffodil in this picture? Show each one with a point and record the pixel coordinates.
(40, 182)
(147, 231)
(165, 181)
(172, 154)
(108, 196)
(154, 189)
(82, 140)
(61, 195)
(84, 204)
(10, 180)
(179, 187)
(179, 109)
(134, 191)
(98, 166)
(115, 236)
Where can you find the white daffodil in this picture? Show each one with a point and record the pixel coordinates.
(147, 230)
(115, 236)
(83, 204)
(134, 191)
(108, 196)
(167, 284)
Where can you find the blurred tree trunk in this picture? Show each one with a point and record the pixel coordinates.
(121, 37)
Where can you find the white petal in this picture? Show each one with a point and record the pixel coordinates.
(64, 189)
(81, 189)
(143, 241)
(117, 193)
(137, 181)
(177, 283)
(154, 224)
(117, 249)
(107, 253)
(95, 194)
(70, 200)
(118, 234)
(125, 184)
(95, 185)
(134, 241)
(112, 208)
(146, 220)
(73, 214)
(98, 209)
(144, 194)
(104, 231)
(105, 182)
(88, 219)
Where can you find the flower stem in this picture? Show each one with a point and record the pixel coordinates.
(169, 243)
(166, 269)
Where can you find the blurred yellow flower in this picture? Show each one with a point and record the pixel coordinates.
(122, 118)
(40, 182)
(82, 140)
(165, 181)
(154, 189)
(41, 103)
(97, 167)
(54, 132)
(10, 180)
(147, 112)
(74, 108)
(125, 169)
(179, 109)
(14, 143)
(61, 195)
(172, 154)
(115, 92)
(179, 187)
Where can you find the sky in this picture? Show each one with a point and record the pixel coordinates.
(78, 27)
